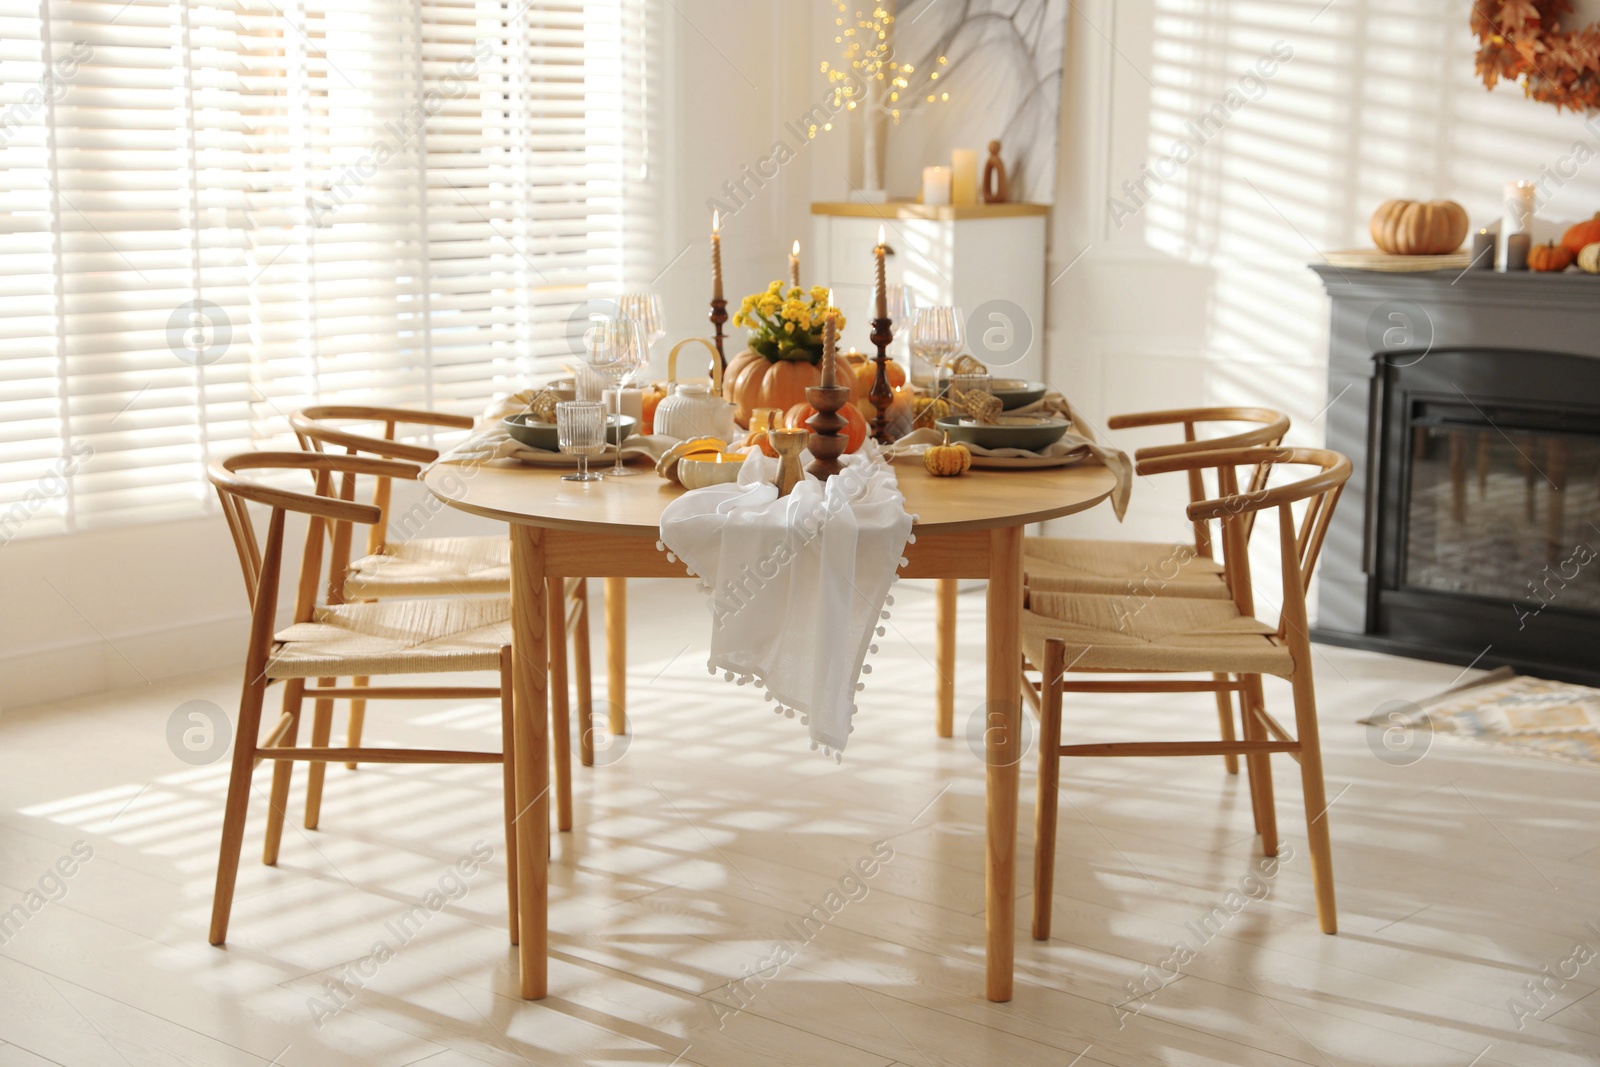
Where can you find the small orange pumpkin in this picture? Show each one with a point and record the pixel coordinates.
(855, 423)
(1550, 257)
(760, 440)
(1419, 228)
(1584, 233)
(947, 460)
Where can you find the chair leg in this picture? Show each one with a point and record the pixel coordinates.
(560, 711)
(358, 719)
(1044, 815)
(238, 804)
(1259, 767)
(282, 771)
(321, 730)
(1225, 720)
(580, 667)
(508, 749)
(945, 591)
(1316, 797)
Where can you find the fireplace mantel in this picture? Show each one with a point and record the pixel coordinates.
(1374, 311)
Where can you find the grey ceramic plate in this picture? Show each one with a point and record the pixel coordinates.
(1016, 393)
(1032, 433)
(543, 434)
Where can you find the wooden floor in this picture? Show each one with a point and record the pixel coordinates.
(1462, 878)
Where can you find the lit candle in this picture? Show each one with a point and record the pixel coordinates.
(935, 185)
(882, 289)
(963, 176)
(830, 329)
(716, 256)
(794, 265)
(1516, 216)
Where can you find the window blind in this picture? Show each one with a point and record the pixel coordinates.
(213, 212)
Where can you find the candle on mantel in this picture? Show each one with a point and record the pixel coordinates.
(794, 265)
(935, 185)
(1516, 216)
(882, 290)
(716, 256)
(830, 334)
(963, 176)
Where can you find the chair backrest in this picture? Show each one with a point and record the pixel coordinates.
(1299, 542)
(1269, 427)
(326, 427)
(262, 563)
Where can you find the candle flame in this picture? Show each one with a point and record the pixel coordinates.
(880, 235)
(795, 251)
(716, 221)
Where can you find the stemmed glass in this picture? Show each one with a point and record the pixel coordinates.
(581, 430)
(901, 304)
(936, 335)
(646, 310)
(614, 348)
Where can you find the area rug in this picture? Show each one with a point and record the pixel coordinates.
(1551, 720)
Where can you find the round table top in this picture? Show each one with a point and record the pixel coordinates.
(977, 500)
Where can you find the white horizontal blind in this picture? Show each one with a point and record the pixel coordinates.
(215, 211)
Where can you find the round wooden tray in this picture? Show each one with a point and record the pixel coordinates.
(1372, 259)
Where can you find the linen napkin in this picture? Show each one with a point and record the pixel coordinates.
(490, 441)
(798, 585)
(1079, 435)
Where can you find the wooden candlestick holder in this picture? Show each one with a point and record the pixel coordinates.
(719, 316)
(788, 444)
(882, 393)
(827, 425)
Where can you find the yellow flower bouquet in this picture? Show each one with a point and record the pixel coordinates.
(787, 325)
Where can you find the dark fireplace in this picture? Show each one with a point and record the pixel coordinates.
(1482, 538)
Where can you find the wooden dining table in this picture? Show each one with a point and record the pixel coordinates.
(966, 527)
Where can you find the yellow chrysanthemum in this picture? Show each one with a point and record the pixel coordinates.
(819, 294)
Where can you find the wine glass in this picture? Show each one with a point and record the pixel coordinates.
(581, 431)
(646, 310)
(614, 348)
(935, 337)
(901, 304)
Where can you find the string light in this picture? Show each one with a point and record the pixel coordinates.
(864, 39)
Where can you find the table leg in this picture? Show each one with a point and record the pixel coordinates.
(945, 621)
(1003, 755)
(530, 647)
(617, 653)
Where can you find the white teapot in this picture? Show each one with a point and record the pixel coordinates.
(694, 409)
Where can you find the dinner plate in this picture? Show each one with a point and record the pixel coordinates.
(1001, 463)
(570, 461)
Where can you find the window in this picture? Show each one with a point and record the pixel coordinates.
(213, 212)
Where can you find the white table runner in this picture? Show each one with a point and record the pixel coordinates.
(797, 586)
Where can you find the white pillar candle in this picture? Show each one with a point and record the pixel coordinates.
(1516, 215)
(935, 185)
(963, 176)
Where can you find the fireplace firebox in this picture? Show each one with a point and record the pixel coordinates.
(1483, 510)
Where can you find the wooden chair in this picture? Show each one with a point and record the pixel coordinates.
(1145, 568)
(436, 566)
(1068, 632)
(341, 640)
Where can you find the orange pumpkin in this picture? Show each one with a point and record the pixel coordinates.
(753, 381)
(1550, 257)
(855, 430)
(1419, 228)
(867, 373)
(649, 400)
(1584, 233)
(760, 440)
